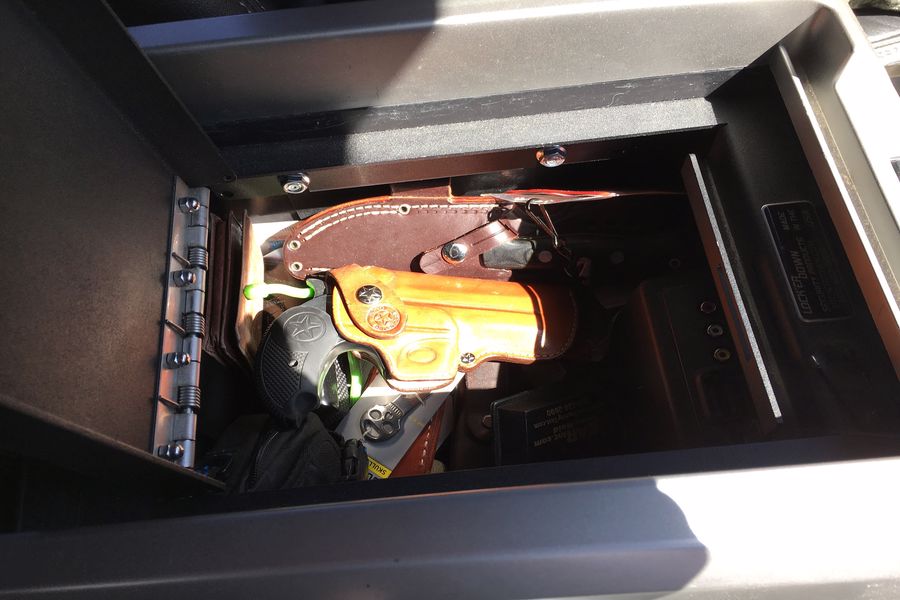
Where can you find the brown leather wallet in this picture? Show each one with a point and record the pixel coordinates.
(223, 276)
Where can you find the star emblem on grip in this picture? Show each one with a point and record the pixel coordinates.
(306, 327)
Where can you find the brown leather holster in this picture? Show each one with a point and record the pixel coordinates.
(428, 328)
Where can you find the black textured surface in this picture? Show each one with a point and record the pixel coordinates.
(89, 464)
(85, 220)
(392, 53)
(463, 147)
(143, 12)
(278, 379)
(295, 127)
(289, 457)
(293, 357)
(336, 386)
(92, 35)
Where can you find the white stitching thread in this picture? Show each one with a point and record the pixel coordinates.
(425, 445)
(347, 218)
(321, 224)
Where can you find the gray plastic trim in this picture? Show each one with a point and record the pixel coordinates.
(394, 52)
(847, 117)
(823, 531)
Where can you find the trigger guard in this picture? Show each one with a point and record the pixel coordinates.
(295, 355)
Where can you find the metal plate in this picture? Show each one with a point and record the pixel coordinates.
(809, 265)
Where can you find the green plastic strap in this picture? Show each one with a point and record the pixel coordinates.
(258, 291)
(355, 377)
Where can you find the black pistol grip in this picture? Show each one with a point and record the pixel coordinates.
(294, 357)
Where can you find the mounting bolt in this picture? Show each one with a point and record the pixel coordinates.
(715, 330)
(295, 184)
(454, 252)
(171, 451)
(707, 307)
(184, 277)
(722, 354)
(188, 204)
(552, 156)
(467, 359)
(294, 245)
(177, 360)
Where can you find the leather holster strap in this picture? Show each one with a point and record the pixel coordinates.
(473, 244)
(420, 456)
(428, 328)
(388, 231)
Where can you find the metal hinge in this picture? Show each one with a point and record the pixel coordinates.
(183, 327)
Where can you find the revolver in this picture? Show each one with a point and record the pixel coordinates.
(422, 332)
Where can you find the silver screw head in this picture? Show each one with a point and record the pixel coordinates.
(295, 184)
(294, 245)
(184, 277)
(369, 294)
(188, 204)
(715, 330)
(707, 307)
(455, 252)
(178, 359)
(552, 156)
(171, 451)
(467, 359)
(722, 354)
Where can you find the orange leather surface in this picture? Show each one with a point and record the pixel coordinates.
(424, 324)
